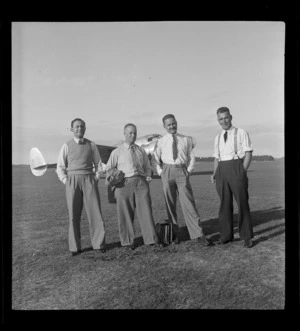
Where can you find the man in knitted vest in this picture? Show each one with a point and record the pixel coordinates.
(75, 164)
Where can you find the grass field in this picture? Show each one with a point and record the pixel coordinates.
(185, 276)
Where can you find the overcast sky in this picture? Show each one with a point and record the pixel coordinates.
(112, 73)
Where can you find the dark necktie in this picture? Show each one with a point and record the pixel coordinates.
(174, 147)
(134, 157)
(225, 136)
(80, 142)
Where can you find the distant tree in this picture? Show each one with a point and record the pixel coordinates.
(204, 159)
(262, 158)
(254, 158)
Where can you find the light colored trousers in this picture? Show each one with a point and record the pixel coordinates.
(83, 189)
(175, 181)
(134, 197)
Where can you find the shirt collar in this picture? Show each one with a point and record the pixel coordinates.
(127, 146)
(77, 140)
(171, 135)
(231, 128)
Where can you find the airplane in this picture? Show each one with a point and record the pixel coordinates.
(39, 166)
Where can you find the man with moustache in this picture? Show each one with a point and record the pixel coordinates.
(75, 165)
(233, 154)
(174, 161)
(133, 194)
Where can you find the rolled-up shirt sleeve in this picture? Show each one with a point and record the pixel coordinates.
(156, 161)
(147, 165)
(216, 151)
(112, 161)
(191, 157)
(96, 159)
(246, 142)
(61, 167)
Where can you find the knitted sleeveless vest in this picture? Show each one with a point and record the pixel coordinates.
(79, 158)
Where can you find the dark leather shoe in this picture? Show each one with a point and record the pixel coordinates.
(248, 243)
(175, 241)
(204, 241)
(131, 247)
(159, 245)
(76, 253)
(219, 242)
(100, 250)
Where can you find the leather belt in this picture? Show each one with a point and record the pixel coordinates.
(175, 165)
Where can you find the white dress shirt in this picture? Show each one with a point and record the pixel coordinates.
(163, 152)
(226, 150)
(61, 168)
(121, 159)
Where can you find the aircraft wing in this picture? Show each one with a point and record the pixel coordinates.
(105, 152)
(39, 166)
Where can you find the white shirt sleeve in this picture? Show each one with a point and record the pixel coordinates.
(156, 161)
(61, 167)
(112, 161)
(96, 159)
(147, 165)
(191, 156)
(246, 142)
(216, 147)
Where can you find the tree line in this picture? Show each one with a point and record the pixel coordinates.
(254, 158)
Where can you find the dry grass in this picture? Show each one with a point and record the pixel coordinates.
(185, 276)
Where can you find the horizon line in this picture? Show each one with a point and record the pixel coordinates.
(199, 157)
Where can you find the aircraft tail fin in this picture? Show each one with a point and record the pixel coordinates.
(38, 165)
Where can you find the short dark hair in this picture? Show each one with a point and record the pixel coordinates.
(223, 110)
(129, 124)
(168, 116)
(77, 119)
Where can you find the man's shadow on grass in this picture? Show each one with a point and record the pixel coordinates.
(211, 226)
(155, 176)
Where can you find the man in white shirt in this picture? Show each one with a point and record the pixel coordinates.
(233, 154)
(75, 164)
(133, 194)
(174, 161)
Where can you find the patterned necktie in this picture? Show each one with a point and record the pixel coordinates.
(225, 136)
(174, 147)
(135, 162)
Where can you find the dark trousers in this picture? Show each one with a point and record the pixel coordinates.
(232, 181)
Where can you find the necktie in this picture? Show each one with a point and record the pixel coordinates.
(174, 147)
(80, 142)
(225, 136)
(134, 157)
